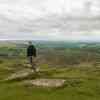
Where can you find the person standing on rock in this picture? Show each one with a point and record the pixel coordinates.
(31, 54)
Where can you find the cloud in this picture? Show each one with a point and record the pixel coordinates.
(47, 19)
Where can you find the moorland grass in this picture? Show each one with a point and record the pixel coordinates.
(82, 83)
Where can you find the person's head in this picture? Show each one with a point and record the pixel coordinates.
(30, 43)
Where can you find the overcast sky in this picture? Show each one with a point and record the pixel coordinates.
(43, 19)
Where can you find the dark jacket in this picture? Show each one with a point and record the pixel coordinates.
(31, 51)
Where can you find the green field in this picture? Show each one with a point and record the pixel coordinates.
(82, 76)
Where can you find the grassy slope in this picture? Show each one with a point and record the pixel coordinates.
(82, 83)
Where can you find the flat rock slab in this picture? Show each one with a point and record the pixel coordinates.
(18, 75)
(47, 82)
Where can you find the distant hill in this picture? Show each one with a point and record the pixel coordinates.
(65, 44)
(51, 44)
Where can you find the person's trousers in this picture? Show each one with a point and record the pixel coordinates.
(32, 61)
